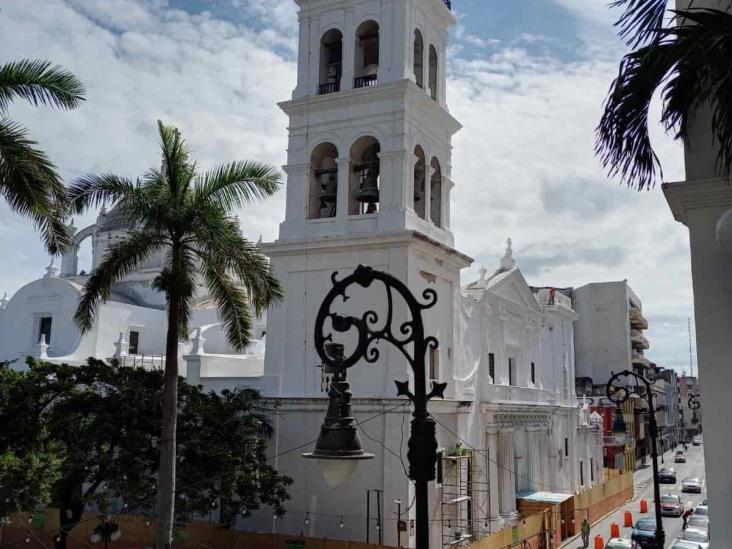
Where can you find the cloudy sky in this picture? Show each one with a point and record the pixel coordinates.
(526, 78)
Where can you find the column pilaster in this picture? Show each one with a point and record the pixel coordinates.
(494, 473)
(506, 482)
(344, 178)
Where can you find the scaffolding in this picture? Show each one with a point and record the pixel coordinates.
(465, 498)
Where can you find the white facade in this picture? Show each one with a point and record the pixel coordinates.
(369, 162)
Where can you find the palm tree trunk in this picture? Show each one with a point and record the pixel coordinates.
(166, 475)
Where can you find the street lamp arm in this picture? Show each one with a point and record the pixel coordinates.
(368, 327)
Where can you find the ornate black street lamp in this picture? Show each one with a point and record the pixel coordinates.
(338, 442)
(694, 405)
(622, 393)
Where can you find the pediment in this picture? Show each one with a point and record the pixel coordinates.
(512, 286)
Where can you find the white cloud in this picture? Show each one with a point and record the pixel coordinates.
(524, 165)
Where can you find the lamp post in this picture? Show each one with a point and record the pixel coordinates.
(620, 394)
(338, 445)
(694, 405)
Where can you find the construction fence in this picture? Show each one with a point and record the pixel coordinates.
(548, 525)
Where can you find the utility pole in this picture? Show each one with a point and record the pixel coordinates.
(691, 362)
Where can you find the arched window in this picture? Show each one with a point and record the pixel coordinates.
(365, 176)
(418, 58)
(323, 192)
(331, 61)
(366, 63)
(436, 193)
(419, 182)
(433, 72)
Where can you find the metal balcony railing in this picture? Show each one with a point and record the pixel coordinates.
(366, 81)
(329, 87)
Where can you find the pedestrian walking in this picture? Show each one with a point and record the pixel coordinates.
(585, 529)
(686, 516)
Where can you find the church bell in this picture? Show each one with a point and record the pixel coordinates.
(368, 191)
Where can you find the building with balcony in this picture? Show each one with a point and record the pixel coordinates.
(690, 422)
(609, 338)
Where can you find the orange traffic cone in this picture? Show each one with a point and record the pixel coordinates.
(599, 542)
(628, 519)
(614, 530)
(643, 506)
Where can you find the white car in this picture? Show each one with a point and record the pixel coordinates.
(691, 485)
(620, 543)
(701, 510)
(681, 544)
(694, 535)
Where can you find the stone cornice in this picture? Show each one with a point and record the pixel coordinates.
(518, 419)
(367, 404)
(685, 196)
(400, 89)
(346, 242)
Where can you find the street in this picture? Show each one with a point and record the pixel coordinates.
(694, 467)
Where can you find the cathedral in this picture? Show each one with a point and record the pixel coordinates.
(368, 182)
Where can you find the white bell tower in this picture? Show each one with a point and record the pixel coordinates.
(368, 179)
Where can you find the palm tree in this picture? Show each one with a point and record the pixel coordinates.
(186, 216)
(688, 60)
(28, 180)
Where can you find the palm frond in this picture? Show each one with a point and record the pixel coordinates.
(31, 186)
(231, 300)
(640, 21)
(237, 184)
(217, 236)
(122, 257)
(98, 190)
(177, 280)
(176, 168)
(689, 63)
(39, 83)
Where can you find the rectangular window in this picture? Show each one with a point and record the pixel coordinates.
(434, 359)
(533, 373)
(511, 371)
(592, 469)
(492, 366)
(134, 342)
(566, 447)
(44, 329)
(582, 473)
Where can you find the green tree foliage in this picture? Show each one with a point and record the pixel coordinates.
(188, 216)
(28, 180)
(687, 60)
(95, 432)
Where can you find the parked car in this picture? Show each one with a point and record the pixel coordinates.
(667, 476)
(681, 544)
(679, 457)
(621, 543)
(700, 537)
(700, 522)
(696, 441)
(671, 506)
(644, 533)
(702, 509)
(691, 485)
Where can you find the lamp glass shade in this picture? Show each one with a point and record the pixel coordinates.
(337, 472)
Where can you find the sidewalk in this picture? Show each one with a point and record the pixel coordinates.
(642, 484)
